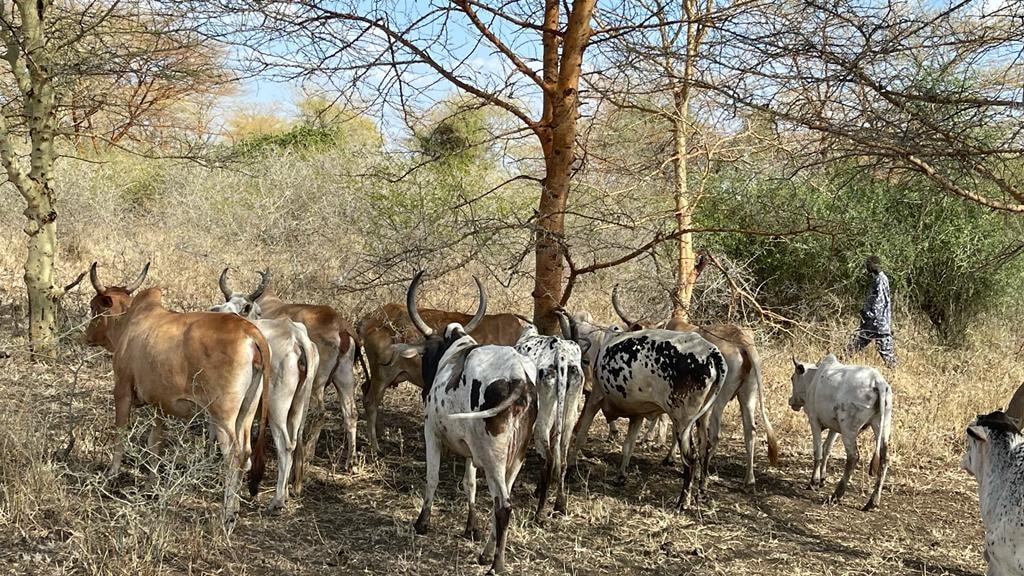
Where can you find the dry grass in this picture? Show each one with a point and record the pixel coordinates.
(59, 515)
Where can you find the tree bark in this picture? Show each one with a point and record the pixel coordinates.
(557, 133)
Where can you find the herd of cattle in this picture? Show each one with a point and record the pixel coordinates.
(491, 384)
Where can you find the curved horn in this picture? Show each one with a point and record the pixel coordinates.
(264, 281)
(138, 280)
(795, 363)
(481, 308)
(223, 283)
(94, 277)
(410, 306)
(563, 323)
(1016, 408)
(618, 308)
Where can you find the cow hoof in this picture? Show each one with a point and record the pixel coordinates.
(668, 462)
(619, 480)
(274, 509)
(871, 505)
(472, 534)
(832, 501)
(421, 527)
(484, 560)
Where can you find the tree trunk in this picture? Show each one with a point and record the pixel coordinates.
(557, 133)
(686, 272)
(40, 280)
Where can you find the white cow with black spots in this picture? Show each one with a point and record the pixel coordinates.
(995, 457)
(480, 403)
(649, 372)
(844, 399)
(559, 394)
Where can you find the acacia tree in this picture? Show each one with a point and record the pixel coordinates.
(398, 55)
(44, 44)
(932, 90)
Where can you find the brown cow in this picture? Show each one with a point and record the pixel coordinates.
(184, 363)
(338, 347)
(743, 380)
(386, 334)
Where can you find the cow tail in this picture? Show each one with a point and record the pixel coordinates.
(773, 443)
(718, 362)
(517, 392)
(259, 453)
(561, 387)
(362, 363)
(881, 456)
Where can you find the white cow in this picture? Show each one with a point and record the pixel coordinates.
(480, 403)
(559, 394)
(844, 399)
(295, 358)
(995, 457)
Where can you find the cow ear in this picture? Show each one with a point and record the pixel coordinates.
(800, 369)
(979, 433)
(409, 352)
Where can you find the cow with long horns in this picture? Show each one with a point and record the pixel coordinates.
(480, 403)
(393, 355)
(184, 363)
(295, 359)
(744, 382)
(337, 346)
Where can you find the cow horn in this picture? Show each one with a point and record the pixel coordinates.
(138, 280)
(795, 363)
(1016, 408)
(94, 277)
(264, 281)
(618, 308)
(410, 305)
(223, 283)
(481, 308)
(563, 323)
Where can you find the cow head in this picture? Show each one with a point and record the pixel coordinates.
(435, 345)
(986, 429)
(109, 304)
(801, 379)
(241, 303)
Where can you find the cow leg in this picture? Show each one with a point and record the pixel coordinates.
(433, 471)
(317, 411)
(155, 444)
(589, 411)
(372, 398)
(635, 423)
(852, 457)
(345, 381)
(546, 468)
(501, 515)
(826, 449)
(613, 427)
(876, 494)
(229, 450)
(472, 531)
(703, 450)
(682, 437)
(815, 454)
(123, 398)
(670, 458)
(284, 444)
(747, 396)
